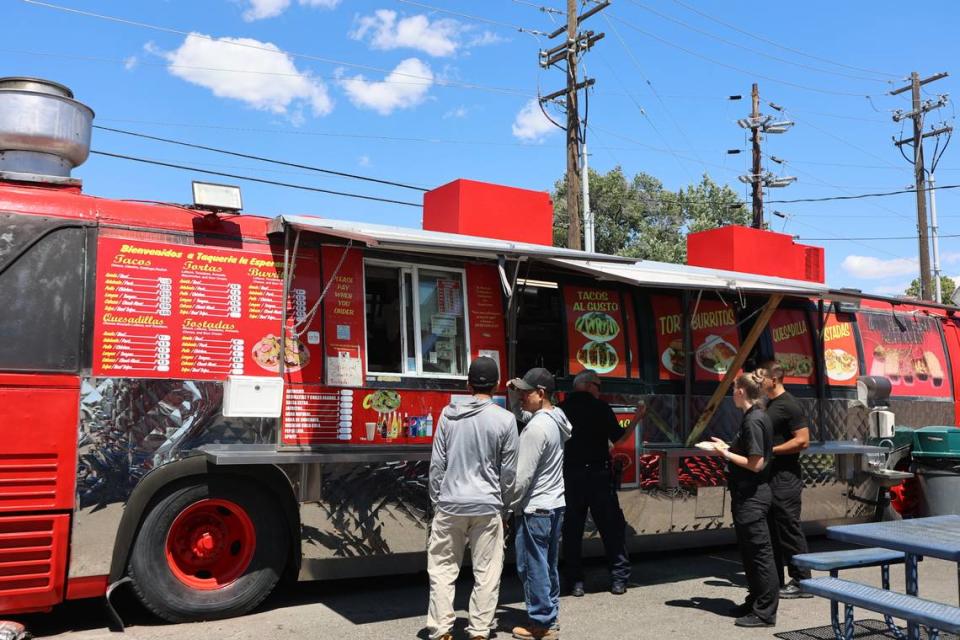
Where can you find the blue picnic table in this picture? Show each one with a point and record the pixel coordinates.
(935, 537)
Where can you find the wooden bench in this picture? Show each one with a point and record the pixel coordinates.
(933, 615)
(834, 561)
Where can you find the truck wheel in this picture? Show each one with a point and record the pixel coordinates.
(209, 550)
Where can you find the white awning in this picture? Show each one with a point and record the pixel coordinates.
(433, 242)
(677, 276)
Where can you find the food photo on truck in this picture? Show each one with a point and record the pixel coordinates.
(216, 400)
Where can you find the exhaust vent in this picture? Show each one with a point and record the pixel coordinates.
(44, 132)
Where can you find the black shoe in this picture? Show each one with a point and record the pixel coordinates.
(791, 591)
(741, 610)
(577, 589)
(750, 620)
(618, 589)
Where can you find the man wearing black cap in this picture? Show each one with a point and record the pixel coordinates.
(472, 470)
(538, 502)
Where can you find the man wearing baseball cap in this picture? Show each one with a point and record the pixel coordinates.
(472, 471)
(538, 502)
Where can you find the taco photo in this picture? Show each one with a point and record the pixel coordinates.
(597, 326)
(599, 356)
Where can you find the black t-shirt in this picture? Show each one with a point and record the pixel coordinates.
(787, 417)
(594, 427)
(754, 439)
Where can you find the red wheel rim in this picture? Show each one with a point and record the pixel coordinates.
(210, 544)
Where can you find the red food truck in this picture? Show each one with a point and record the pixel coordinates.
(202, 401)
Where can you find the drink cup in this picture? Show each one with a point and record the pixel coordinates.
(371, 430)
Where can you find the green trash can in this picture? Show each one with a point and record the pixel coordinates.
(936, 462)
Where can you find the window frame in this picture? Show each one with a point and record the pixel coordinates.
(408, 298)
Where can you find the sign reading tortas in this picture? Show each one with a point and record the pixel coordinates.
(595, 335)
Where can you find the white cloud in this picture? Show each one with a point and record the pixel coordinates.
(271, 81)
(261, 9)
(531, 125)
(457, 112)
(897, 289)
(484, 39)
(130, 63)
(870, 268)
(406, 86)
(385, 32)
(363, 161)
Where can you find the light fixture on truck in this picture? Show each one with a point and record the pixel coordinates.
(217, 197)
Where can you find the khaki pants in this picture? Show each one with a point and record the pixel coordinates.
(448, 538)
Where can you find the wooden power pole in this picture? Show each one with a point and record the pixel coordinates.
(919, 110)
(757, 158)
(569, 53)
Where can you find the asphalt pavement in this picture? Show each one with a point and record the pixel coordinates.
(678, 594)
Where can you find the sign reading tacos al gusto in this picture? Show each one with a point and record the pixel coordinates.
(595, 337)
(199, 312)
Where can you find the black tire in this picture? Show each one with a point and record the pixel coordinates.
(159, 589)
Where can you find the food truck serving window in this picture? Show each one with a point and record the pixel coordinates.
(415, 320)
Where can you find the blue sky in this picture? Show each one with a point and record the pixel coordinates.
(403, 91)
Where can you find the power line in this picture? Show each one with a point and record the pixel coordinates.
(864, 195)
(780, 46)
(956, 235)
(304, 56)
(750, 49)
(252, 179)
(249, 156)
(752, 74)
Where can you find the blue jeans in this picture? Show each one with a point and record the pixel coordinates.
(537, 549)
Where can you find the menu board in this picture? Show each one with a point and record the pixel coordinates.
(715, 338)
(595, 337)
(485, 304)
(792, 345)
(315, 415)
(907, 349)
(840, 351)
(200, 313)
(343, 313)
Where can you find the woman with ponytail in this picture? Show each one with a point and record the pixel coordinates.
(748, 476)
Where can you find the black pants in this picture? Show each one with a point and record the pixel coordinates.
(785, 532)
(756, 552)
(593, 488)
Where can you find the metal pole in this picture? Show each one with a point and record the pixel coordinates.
(589, 232)
(757, 157)
(934, 239)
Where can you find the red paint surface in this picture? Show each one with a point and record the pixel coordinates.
(34, 560)
(489, 210)
(595, 331)
(343, 314)
(89, 587)
(197, 312)
(747, 250)
(210, 544)
(485, 305)
(951, 329)
(625, 452)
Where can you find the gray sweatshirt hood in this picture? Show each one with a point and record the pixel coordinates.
(466, 409)
(560, 419)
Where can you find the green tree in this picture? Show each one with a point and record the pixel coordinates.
(640, 218)
(947, 287)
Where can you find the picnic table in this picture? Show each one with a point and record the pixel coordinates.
(935, 537)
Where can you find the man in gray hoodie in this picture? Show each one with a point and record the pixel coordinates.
(472, 471)
(538, 502)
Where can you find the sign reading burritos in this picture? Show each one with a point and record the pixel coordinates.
(715, 338)
(595, 332)
(202, 313)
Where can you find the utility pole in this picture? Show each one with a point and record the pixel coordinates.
(570, 52)
(758, 123)
(757, 186)
(917, 114)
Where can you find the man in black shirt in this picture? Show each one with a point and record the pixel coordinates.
(791, 435)
(588, 478)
